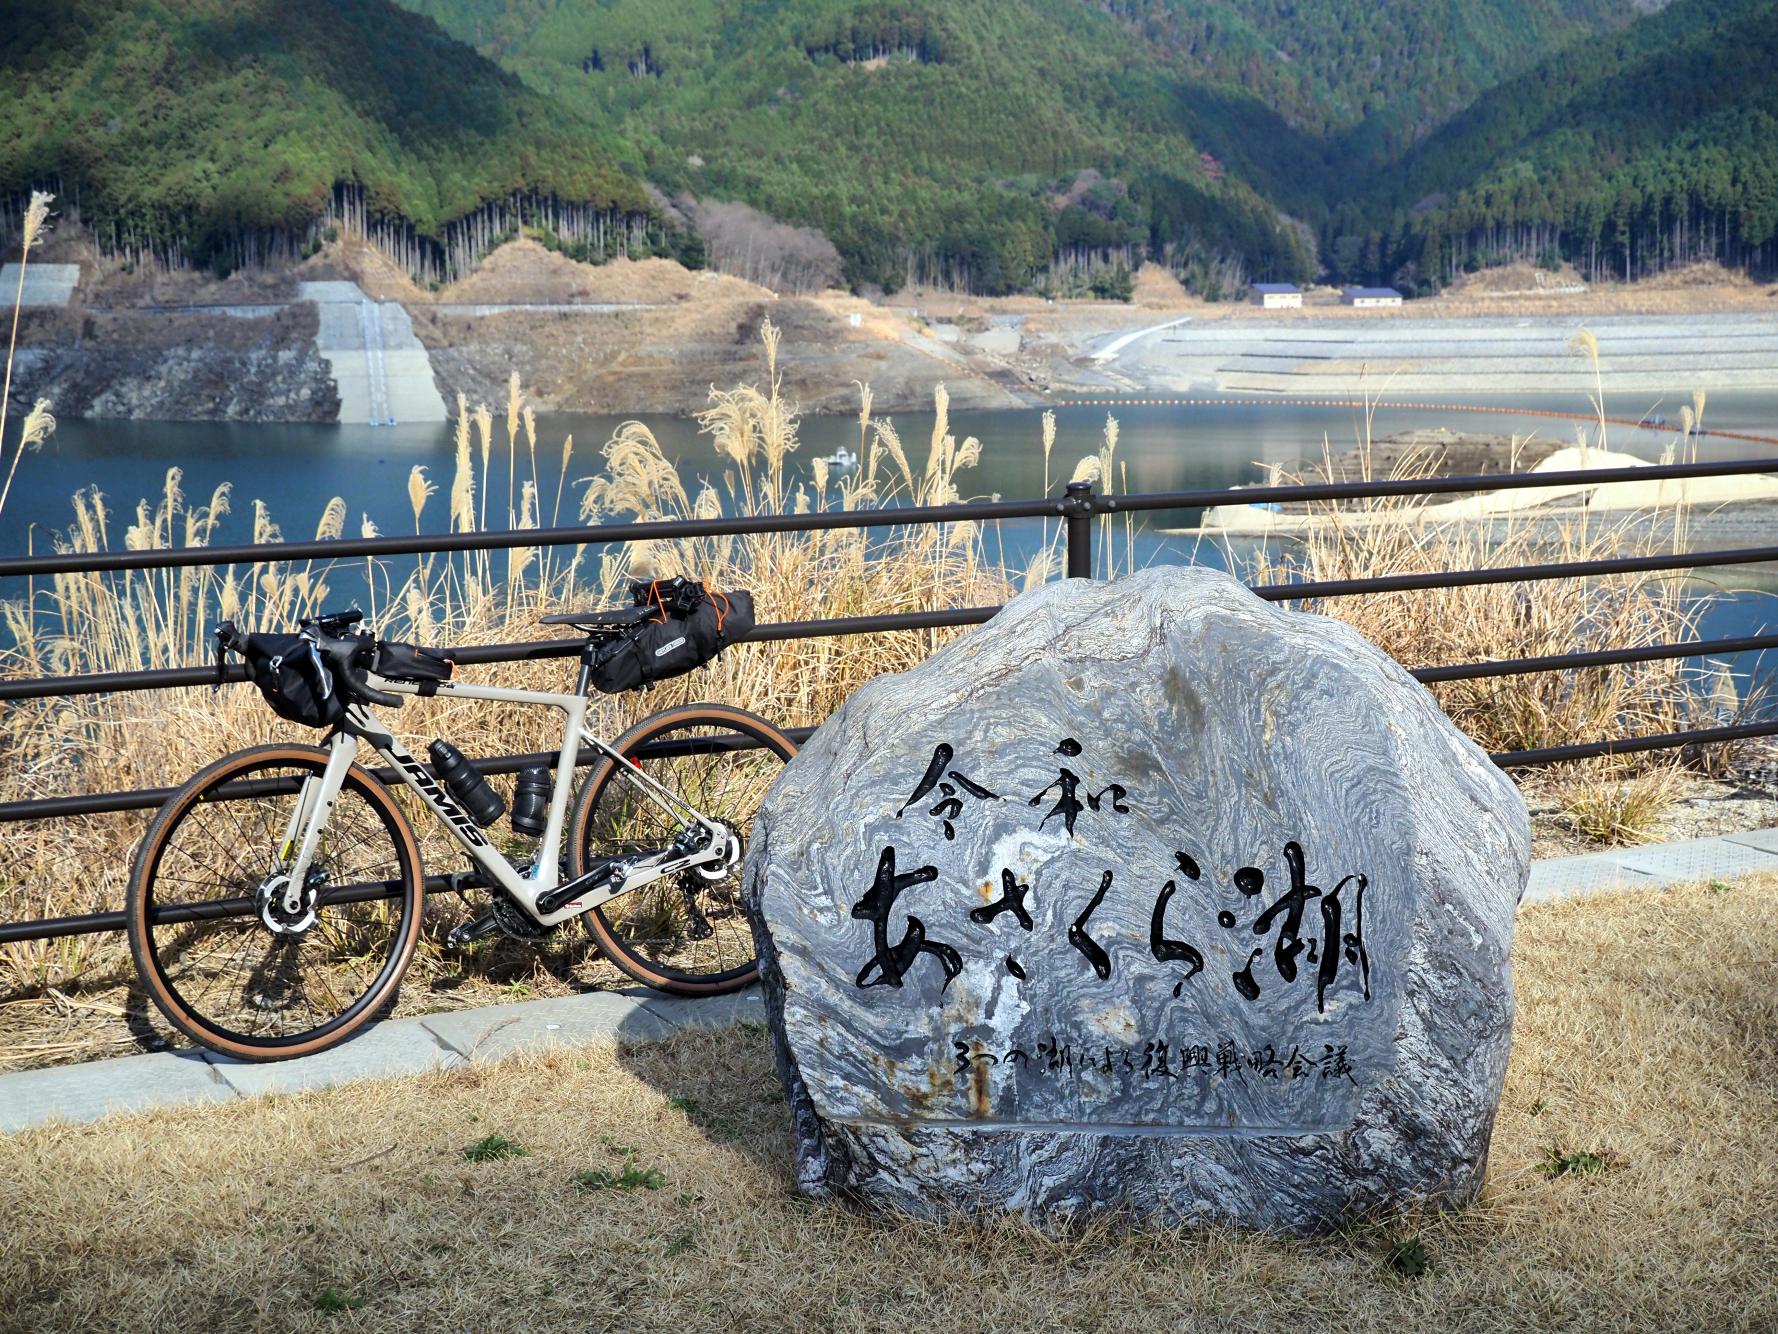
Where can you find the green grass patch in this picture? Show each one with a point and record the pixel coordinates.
(492, 1148)
(630, 1178)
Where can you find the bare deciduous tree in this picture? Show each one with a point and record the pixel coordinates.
(749, 244)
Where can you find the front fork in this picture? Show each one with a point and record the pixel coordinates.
(314, 805)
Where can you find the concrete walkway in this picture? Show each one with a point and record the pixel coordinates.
(81, 1093)
(395, 1047)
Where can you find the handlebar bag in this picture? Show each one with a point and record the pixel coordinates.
(692, 625)
(409, 662)
(296, 682)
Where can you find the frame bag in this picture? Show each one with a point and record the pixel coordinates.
(692, 624)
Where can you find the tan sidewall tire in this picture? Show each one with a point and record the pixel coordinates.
(136, 903)
(583, 808)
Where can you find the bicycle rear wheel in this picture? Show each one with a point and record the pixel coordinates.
(216, 941)
(685, 935)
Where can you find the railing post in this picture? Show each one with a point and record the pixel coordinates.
(1077, 529)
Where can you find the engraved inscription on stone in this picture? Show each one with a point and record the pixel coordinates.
(1081, 889)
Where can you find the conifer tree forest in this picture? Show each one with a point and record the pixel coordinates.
(992, 145)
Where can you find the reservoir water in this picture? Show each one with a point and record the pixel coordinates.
(296, 469)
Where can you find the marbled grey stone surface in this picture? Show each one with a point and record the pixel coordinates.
(1148, 896)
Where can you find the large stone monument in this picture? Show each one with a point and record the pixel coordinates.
(1148, 896)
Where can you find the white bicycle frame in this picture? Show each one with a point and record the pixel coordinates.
(316, 801)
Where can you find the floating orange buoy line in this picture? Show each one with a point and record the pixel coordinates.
(1394, 405)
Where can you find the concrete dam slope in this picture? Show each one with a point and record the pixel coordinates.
(1408, 355)
(44, 284)
(381, 367)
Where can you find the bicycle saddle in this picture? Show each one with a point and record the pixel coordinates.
(610, 620)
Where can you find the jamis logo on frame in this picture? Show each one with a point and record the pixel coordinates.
(446, 803)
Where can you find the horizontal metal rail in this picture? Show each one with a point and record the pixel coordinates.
(1076, 508)
(1287, 492)
(151, 798)
(39, 687)
(1079, 501)
(99, 803)
(1515, 574)
(1608, 657)
(92, 923)
(50, 928)
(1586, 750)
(504, 539)
(536, 650)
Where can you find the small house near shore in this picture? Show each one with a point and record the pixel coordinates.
(1276, 296)
(1370, 296)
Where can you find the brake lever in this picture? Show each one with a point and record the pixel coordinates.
(222, 629)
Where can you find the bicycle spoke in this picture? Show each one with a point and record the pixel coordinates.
(684, 929)
(239, 978)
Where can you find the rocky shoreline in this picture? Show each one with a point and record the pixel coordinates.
(652, 337)
(644, 336)
(177, 366)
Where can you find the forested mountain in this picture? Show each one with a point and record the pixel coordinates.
(1395, 68)
(953, 141)
(997, 144)
(222, 127)
(1656, 145)
(931, 138)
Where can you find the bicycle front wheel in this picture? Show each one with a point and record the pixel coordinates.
(685, 935)
(234, 956)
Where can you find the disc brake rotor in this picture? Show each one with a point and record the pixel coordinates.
(276, 909)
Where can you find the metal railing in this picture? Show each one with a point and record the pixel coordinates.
(1076, 510)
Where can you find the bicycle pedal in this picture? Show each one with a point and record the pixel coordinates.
(461, 937)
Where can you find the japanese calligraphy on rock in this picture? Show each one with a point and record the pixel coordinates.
(1148, 896)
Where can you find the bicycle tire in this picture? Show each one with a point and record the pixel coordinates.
(645, 933)
(199, 887)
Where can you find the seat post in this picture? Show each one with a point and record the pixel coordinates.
(584, 684)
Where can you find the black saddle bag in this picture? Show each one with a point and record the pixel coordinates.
(691, 626)
(294, 678)
(409, 662)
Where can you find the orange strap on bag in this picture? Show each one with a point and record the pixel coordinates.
(720, 602)
(656, 600)
(717, 600)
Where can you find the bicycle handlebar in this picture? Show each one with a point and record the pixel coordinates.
(347, 655)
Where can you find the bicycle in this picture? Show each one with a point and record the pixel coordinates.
(275, 902)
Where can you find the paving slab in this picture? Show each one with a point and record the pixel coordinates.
(1700, 859)
(738, 1007)
(395, 1047)
(1764, 839)
(494, 1031)
(124, 1084)
(1560, 878)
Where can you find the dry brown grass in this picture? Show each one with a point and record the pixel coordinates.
(134, 621)
(1394, 535)
(1643, 1058)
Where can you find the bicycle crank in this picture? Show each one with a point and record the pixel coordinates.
(604, 870)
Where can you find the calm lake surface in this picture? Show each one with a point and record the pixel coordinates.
(297, 469)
